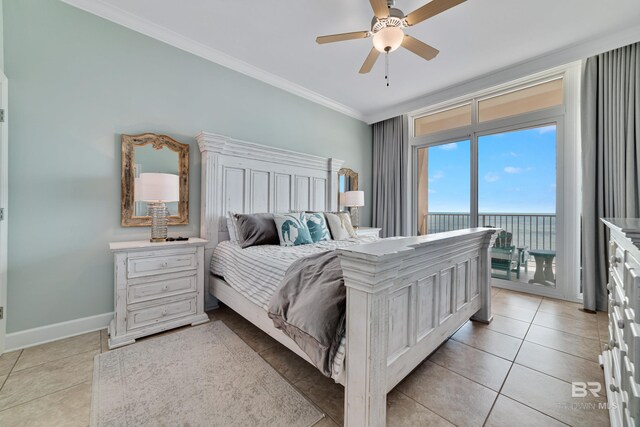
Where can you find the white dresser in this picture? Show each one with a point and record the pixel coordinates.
(367, 231)
(621, 359)
(158, 286)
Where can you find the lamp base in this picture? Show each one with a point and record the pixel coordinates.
(355, 217)
(159, 219)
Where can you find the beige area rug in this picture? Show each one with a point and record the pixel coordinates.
(202, 376)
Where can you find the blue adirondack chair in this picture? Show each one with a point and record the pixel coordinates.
(504, 256)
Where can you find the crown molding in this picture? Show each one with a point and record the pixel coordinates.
(572, 53)
(165, 35)
(575, 52)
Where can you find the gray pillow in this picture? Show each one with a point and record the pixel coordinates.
(256, 229)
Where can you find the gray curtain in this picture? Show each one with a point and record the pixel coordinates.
(610, 158)
(390, 157)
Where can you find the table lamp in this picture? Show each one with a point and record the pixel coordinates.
(156, 189)
(354, 200)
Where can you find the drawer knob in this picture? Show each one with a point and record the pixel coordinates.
(613, 388)
(609, 287)
(621, 324)
(613, 344)
(165, 288)
(164, 264)
(614, 260)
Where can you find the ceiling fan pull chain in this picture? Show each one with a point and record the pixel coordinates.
(386, 67)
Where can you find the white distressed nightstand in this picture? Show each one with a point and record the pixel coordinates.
(158, 286)
(368, 231)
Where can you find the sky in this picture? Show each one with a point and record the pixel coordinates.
(516, 173)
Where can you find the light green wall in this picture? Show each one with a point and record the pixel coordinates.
(1, 38)
(77, 83)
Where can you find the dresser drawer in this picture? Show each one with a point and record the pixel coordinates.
(616, 365)
(627, 369)
(161, 313)
(630, 334)
(616, 260)
(632, 340)
(633, 401)
(618, 325)
(161, 263)
(618, 296)
(632, 291)
(139, 290)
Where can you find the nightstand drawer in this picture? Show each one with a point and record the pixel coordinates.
(165, 263)
(161, 313)
(140, 290)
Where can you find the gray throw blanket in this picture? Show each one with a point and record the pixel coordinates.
(310, 305)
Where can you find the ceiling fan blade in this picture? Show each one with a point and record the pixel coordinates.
(380, 8)
(342, 37)
(430, 9)
(371, 59)
(419, 48)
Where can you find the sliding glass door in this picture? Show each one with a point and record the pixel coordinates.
(504, 179)
(444, 187)
(504, 158)
(517, 193)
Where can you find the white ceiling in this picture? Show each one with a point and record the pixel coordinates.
(275, 42)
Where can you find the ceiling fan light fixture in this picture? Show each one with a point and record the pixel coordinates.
(388, 39)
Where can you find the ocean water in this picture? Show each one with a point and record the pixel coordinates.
(533, 230)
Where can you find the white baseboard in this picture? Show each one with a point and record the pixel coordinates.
(45, 334)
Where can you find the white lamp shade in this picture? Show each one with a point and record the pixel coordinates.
(157, 187)
(354, 198)
(388, 38)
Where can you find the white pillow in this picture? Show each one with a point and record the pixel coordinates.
(340, 225)
(292, 229)
(232, 226)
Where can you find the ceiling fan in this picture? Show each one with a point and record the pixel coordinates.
(387, 30)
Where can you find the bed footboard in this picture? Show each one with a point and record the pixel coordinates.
(404, 298)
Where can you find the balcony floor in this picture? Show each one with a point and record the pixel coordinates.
(525, 276)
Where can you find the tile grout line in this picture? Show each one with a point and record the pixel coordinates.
(541, 372)
(43, 396)
(474, 381)
(464, 376)
(11, 370)
(565, 332)
(54, 360)
(510, 368)
(427, 408)
(36, 366)
(507, 376)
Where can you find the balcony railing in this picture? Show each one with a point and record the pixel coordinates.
(535, 231)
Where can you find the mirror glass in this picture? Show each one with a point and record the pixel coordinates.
(147, 158)
(347, 181)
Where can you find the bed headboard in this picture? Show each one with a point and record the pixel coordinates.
(241, 176)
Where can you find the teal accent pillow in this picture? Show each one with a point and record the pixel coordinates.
(292, 229)
(317, 225)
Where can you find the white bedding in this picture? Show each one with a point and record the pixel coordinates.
(256, 272)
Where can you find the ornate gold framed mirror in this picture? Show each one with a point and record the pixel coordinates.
(347, 181)
(151, 153)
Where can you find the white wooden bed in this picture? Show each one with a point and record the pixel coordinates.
(404, 297)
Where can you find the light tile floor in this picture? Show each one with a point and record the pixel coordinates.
(516, 371)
